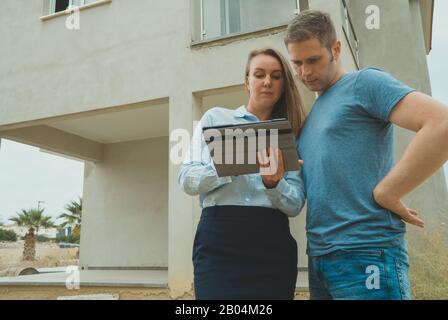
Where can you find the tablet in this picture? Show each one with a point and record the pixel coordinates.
(234, 147)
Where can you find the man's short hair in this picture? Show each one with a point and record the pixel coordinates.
(311, 24)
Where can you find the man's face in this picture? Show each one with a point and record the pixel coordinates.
(314, 64)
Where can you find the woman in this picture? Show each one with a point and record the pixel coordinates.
(243, 248)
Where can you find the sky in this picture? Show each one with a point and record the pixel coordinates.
(28, 175)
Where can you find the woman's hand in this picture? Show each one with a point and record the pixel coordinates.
(272, 167)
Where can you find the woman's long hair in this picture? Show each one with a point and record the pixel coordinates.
(290, 104)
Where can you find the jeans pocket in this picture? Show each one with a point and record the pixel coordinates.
(364, 252)
(357, 274)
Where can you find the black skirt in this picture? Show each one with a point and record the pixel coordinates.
(243, 252)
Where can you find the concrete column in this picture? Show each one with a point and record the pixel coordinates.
(184, 107)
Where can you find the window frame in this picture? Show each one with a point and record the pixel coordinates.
(300, 6)
(52, 5)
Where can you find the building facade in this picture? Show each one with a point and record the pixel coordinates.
(110, 87)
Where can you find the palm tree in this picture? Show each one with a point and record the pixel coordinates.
(33, 219)
(73, 216)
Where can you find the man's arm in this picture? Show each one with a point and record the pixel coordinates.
(426, 153)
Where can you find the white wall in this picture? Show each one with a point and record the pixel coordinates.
(125, 206)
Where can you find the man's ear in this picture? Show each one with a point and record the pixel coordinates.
(337, 49)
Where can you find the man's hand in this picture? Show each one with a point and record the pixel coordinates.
(396, 206)
(272, 167)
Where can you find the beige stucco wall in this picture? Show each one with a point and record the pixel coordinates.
(125, 206)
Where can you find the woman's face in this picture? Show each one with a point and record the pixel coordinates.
(265, 81)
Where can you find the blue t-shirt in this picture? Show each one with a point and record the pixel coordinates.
(348, 148)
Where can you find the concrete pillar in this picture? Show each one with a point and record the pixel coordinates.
(181, 216)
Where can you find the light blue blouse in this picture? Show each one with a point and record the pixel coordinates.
(197, 175)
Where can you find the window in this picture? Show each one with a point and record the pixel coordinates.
(220, 18)
(61, 5)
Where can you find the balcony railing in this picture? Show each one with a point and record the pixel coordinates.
(350, 33)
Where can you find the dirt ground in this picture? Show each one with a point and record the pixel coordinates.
(47, 255)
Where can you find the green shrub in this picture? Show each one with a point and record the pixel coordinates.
(41, 238)
(8, 235)
(68, 239)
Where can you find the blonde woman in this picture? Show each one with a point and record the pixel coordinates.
(243, 248)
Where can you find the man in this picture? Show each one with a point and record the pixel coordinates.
(355, 231)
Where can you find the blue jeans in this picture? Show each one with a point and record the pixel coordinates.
(360, 274)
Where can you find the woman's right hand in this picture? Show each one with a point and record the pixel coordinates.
(272, 166)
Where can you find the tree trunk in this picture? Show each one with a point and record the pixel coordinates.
(29, 248)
